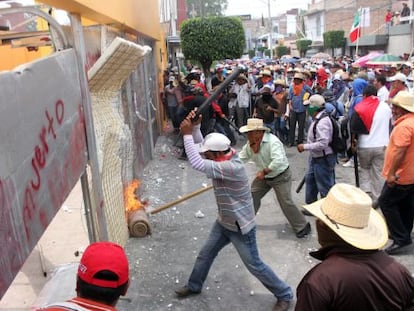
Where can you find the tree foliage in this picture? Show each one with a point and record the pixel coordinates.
(282, 50)
(334, 39)
(303, 45)
(204, 8)
(212, 38)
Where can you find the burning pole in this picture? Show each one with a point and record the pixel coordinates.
(138, 223)
(137, 216)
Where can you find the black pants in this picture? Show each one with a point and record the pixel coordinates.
(397, 205)
(300, 118)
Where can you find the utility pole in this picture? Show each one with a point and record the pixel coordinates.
(270, 31)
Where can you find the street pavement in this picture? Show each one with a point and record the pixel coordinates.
(163, 261)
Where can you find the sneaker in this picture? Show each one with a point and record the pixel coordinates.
(350, 163)
(304, 232)
(184, 292)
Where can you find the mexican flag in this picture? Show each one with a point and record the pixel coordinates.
(355, 32)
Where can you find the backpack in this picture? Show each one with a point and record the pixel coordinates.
(339, 132)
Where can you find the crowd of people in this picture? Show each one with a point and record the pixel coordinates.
(280, 107)
(304, 105)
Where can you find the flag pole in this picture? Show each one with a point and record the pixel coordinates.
(357, 43)
(358, 31)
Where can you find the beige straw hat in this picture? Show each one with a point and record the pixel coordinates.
(348, 212)
(254, 124)
(405, 100)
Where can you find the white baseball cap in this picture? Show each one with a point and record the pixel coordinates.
(214, 142)
(398, 77)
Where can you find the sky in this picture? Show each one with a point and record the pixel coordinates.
(258, 7)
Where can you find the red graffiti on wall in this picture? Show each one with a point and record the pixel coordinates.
(39, 161)
(63, 174)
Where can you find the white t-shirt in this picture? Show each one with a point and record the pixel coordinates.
(379, 134)
(383, 93)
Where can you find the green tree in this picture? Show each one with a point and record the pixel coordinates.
(212, 38)
(282, 50)
(303, 45)
(204, 8)
(334, 39)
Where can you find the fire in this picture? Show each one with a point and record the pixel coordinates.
(132, 203)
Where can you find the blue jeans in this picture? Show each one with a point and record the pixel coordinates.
(397, 206)
(247, 248)
(320, 177)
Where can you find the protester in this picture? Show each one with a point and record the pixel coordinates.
(370, 128)
(397, 84)
(388, 19)
(405, 12)
(358, 87)
(320, 176)
(397, 196)
(280, 95)
(354, 274)
(298, 93)
(268, 153)
(174, 99)
(103, 276)
(266, 107)
(236, 221)
(382, 91)
(240, 91)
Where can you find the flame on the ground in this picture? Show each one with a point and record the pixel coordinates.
(132, 203)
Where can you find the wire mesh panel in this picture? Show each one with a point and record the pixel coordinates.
(113, 136)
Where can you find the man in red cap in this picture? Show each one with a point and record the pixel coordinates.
(103, 276)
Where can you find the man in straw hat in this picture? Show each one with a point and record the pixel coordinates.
(397, 196)
(354, 274)
(236, 221)
(268, 153)
(298, 93)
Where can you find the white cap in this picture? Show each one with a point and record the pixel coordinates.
(214, 142)
(315, 100)
(398, 77)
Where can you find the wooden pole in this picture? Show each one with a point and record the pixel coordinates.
(184, 198)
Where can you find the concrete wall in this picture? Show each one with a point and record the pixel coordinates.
(134, 16)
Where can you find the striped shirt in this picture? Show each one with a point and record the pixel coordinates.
(231, 187)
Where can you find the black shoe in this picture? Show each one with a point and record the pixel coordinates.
(304, 232)
(184, 291)
(395, 248)
(306, 212)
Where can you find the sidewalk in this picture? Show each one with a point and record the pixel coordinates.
(163, 261)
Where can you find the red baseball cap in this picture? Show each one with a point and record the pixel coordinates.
(101, 256)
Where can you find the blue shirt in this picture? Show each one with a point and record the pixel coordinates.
(297, 101)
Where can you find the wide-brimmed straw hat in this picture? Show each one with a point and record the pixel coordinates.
(253, 124)
(405, 100)
(280, 82)
(299, 75)
(347, 211)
